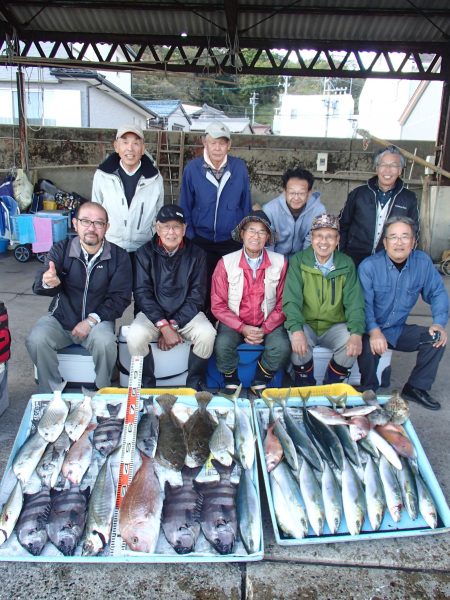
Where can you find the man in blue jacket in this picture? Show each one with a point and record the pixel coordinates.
(89, 281)
(392, 281)
(292, 212)
(215, 196)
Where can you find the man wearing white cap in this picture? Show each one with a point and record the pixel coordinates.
(215, 195)
(130, 187)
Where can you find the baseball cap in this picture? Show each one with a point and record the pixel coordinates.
(216, 129)
(322, 221)
(170, 212)
(129, 129)
(258, 216)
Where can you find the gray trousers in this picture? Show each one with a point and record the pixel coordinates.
(335, 339)
(48, 336)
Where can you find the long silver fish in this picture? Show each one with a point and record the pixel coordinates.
(392, 491)
(327, 415)
(109, 429)
(10, 512)
(349, 446)
(78, 459)
(353, 499)
(100, 514)
(332, 499)
(51, 462)
(312, 496)
(181, 512)
(218, 518)
(148, 429)
(249, 513)
(408, 486)
(28, 457)
(67, 518)
(375, 500)
(80, 416)
(31, 528)
(301, 440)
(244, 438)
(289, 506)
(385, 448)
(52, 421)
(427, 507)
(329, 439)
(221, 442)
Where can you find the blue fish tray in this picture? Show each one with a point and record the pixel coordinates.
(11, 550)
(389, 528)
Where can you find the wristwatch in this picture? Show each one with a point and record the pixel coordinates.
(161, 323)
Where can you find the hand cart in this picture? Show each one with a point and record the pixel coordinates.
(33, 236)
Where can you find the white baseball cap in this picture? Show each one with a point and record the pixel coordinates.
(216, 129)
(129, 129)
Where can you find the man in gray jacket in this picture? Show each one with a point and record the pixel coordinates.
(292, 212)
(130, 187)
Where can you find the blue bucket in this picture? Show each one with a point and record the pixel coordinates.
(4, 243)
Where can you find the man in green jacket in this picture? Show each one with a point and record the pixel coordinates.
(324, 305)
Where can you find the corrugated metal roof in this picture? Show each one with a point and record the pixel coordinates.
(162, 108)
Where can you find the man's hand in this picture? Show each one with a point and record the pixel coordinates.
(50, 278)
(252, 335)
(354, 345)
(443, 339)
(378, 343)
(169, 338)
(82, 329)
(299, 343)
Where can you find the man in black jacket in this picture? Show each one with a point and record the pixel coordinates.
(169, 293)
(90, 281)
(369, 206)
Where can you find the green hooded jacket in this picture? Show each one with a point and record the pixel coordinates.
(310, 297)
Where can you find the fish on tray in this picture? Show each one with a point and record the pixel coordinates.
(198, 430)
(78, 458)
(52, 421)
(248, 512)
(28, 457)
(140, 511)
(10, 512)
(171, 449)
(221, 443)
(273, 450)
(67, 518)
(31, 528)
(181, 512)
(51, 462)
(288, 503)
(80, 416)
(109, 429)
(148, 429)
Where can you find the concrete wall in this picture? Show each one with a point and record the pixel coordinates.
(69, 157)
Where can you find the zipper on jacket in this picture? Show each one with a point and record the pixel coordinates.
(333, 291)
(140, 216)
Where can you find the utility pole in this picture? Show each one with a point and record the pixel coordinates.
(253, 103)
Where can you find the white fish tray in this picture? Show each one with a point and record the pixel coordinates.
(11, 550)
(389, 528)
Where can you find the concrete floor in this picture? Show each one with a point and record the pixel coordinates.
(383, 569)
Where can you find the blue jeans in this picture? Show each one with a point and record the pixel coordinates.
(276, 354)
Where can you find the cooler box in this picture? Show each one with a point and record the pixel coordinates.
(322, 357)
(171, 366)
(76, 365)
(248, 359)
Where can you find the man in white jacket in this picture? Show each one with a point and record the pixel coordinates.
(130, 187)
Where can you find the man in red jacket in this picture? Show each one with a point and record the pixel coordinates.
(246, 295)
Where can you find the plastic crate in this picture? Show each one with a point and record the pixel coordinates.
(22, 228)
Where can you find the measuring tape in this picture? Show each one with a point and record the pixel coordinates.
(117, 545)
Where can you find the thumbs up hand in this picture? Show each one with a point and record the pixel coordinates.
(50, 277)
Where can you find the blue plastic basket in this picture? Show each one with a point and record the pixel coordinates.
(22, 228)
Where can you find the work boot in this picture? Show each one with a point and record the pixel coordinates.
(231, 382)
(304, 375)
(148, 371)
(335, 373)
(261, 380)
(196, 371)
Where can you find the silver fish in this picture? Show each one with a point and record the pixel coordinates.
(426, 505)
(385, 448)
(221, 442)
(109, 429)
(52, 421)
(244, 438)
(332, 499)
(10, 512)
(31, 528)
(249, 513)
(358, 411)
(80, 416)
(28, 457)
(67, 518)
(78, 459)
(375, 500)
(100, 514)
(392, 491)
(353, 499)
(349, 446)
(302, 441)
(327, 415)
(148, 429)
(51, 462)
(218, 518)
(312, 495)
(408, 486)
(289, 506)
(181, 512)
(284, 438)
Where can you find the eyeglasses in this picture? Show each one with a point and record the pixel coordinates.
(326, 238)
(297, 194)
(87, 223)
(389, 166)
(405, 237)
(257, 232)
(167, 228)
